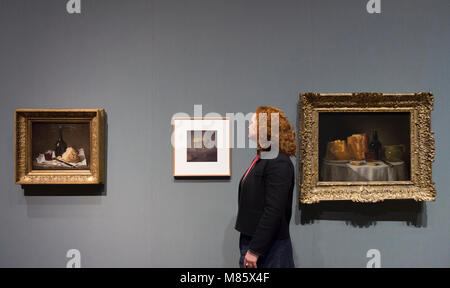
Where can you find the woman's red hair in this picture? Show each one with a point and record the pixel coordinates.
(286, 136)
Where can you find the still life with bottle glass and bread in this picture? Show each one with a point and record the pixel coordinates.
(372, 146)
(60, 145)
(365, 146)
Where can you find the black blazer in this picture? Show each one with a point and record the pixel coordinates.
(265, 202)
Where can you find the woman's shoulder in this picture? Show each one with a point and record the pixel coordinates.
(280, 159)
(280, 156)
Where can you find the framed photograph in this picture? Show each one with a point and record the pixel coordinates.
(59, 146)
(201, 146)
(366, 147)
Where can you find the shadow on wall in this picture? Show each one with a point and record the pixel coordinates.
(365, 214)
(357, 214)
(72, 189)
(64, 190)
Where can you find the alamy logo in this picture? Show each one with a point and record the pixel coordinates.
(73, 6)
(373, 6)
(375, 261)
(75, 258)
(270, 143)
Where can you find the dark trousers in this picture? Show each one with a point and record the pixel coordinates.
(279, 255)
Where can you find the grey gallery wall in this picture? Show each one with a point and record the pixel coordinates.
(143, 61)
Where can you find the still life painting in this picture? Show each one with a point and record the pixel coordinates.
(59, 146)
(365, 147)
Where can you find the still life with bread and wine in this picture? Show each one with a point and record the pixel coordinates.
(359, 146)
(60, 146)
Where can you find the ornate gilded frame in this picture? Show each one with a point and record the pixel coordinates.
(24, 174)
(420, 188)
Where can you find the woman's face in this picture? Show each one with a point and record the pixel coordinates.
(252, 128)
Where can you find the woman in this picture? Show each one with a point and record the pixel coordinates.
(265, 196)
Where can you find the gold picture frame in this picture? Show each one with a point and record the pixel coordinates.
(419, 186)
(92, 118)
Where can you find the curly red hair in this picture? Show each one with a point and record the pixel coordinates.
(286, 136)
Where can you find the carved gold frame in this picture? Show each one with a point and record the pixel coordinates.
(421, 186)
(24, 174)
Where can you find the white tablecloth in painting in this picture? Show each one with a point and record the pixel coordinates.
(42, 163)
(341, 171)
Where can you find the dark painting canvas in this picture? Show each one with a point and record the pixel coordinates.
(201, 146)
